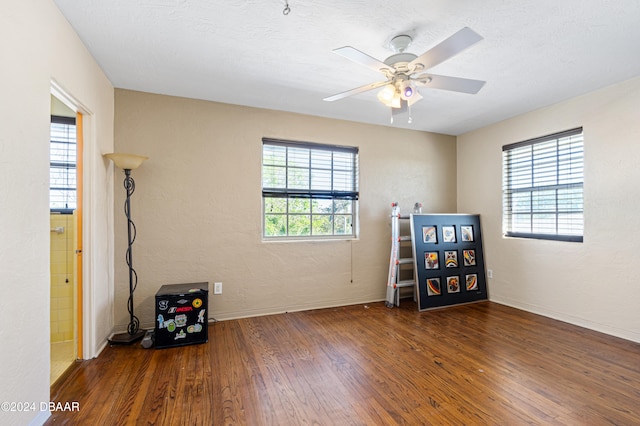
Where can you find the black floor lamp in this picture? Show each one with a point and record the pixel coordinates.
(128, 162)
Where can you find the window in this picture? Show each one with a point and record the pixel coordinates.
(542, 186)
(308, 189)
(62, 168)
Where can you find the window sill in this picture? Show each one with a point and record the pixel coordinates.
(326, 239)
(549, 237)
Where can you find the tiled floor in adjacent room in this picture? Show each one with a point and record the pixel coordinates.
(62, 356)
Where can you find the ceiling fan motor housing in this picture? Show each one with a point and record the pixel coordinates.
(400, 61)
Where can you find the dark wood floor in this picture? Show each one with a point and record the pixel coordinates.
(482, 363)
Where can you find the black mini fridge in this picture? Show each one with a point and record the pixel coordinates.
(181, 315)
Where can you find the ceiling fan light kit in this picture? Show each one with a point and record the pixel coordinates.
(405, 72)
(394, 93)
(386, 94)
(407, 90)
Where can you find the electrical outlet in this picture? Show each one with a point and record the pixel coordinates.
(217, 288)
(489, 273)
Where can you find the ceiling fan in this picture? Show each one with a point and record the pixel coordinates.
(405, 72)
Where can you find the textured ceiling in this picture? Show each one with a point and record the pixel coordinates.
(534, 53)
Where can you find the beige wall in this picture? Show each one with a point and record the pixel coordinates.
(197, 205)
(592, 284)
(38, 46)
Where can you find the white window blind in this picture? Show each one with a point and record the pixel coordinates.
(542, 187)
(308, 189)
(62, 166)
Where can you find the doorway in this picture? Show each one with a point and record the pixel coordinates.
(65, 203)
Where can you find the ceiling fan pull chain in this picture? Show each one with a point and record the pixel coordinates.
(286, 9)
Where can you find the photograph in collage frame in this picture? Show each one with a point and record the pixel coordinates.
(469, 257)
(449, 234)
(453, 284)
(431, 260)
(429, 235)
(433, 287)
(467, 233)
(451, 258)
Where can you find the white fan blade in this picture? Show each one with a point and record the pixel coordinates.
(455, 44)
(356, 91)
(361, 58)
(455, 84)
(415, 98)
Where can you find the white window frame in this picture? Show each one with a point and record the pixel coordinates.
(309, 190)
(63, 165)
(543, 187)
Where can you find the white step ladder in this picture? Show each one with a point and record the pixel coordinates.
(394, 283)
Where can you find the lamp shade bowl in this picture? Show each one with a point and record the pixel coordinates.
(126, 161)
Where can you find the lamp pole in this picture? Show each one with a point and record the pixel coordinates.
(130, 187)
(127, 162)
